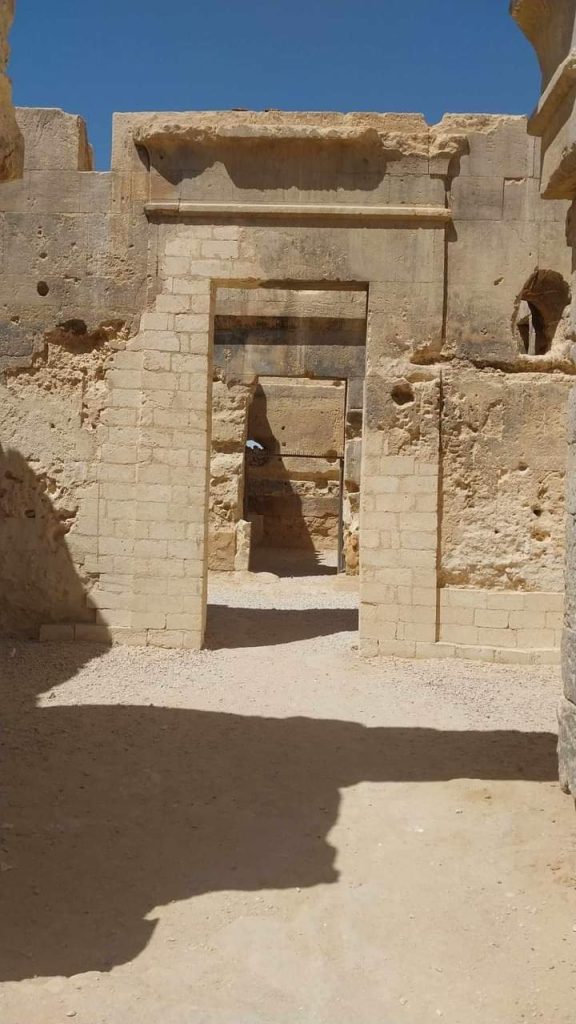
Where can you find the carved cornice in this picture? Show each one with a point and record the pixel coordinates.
(399, 135)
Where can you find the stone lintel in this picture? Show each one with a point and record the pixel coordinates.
(191, 210)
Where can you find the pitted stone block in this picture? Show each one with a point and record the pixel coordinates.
(567, 746)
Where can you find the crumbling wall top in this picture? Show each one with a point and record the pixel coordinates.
(406, 135)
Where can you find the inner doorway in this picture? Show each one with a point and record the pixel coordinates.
(287, 416)
(294, 476)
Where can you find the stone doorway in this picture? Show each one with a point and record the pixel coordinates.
(288, 377)
(294, 488)
(287, 416)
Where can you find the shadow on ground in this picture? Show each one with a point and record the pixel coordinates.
(289, 562)
(230, 627)
(110, 811)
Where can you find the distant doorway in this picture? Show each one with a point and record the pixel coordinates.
(294, 475)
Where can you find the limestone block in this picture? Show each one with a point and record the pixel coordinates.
(318, 429)
(222, 550)
(353, 463)
(567, 745)
(569, 663)
(475, 198)
(56, 632)
(503, 508)
(54, 140)
(488, 265)
(570, 575)
(404, 319)
(522, 201)
(571, 432)
(496, 143)
(559, 155)
(226, 487)
(243, 545)
(303, 304)
(11, 142)
(352, 548)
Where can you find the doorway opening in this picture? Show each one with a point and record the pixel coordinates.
(294, 478)
(287, 414)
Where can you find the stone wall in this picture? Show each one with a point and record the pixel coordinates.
(296, 489)
(439, 232)
(551, 28)
(230, 405)
(503, 468)
(71, 291)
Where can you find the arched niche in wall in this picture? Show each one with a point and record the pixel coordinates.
(540, 308)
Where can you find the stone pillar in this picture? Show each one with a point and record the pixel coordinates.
(399, 520)
(153, 479)
(11, 143)
(551, 28)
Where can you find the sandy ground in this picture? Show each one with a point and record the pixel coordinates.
(274, 832)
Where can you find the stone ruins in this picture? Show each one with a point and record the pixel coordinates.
(551, 28)
(381, 307)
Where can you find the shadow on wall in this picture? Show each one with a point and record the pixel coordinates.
(280, 165)
(287, 546)
(40, 583)
(111, 811)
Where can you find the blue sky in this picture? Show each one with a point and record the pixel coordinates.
(93, 58)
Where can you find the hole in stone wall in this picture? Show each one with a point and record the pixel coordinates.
(540, 308)
(42, 288)
(78, 327)
(402, 394)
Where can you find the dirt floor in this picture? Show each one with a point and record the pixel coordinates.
(274, 832)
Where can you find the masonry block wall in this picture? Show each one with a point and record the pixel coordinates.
(441, 230)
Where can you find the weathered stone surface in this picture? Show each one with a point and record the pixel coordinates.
(567, 746)
(318, 427)
(388, 250)
(54, 141)
(503, 509)
(243, 545)
(569, 664)
(222, 550)
(551, 28)
(11, 142)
